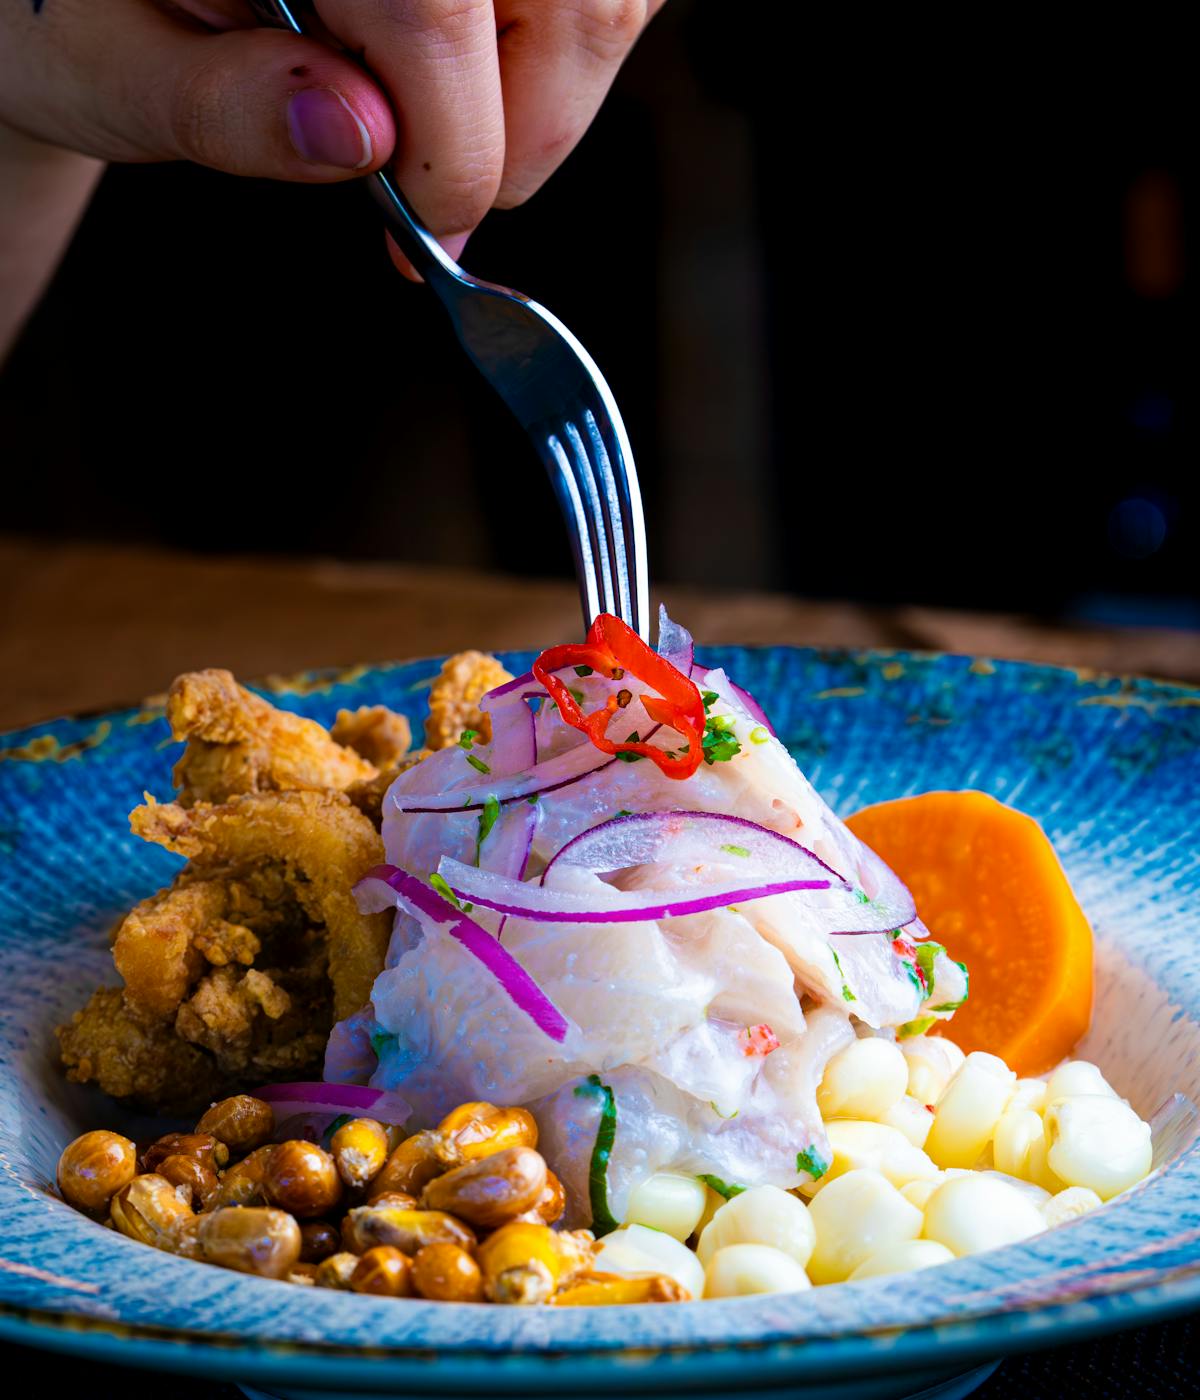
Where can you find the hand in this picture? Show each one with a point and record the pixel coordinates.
(474, 102)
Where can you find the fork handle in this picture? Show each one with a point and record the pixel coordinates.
(411, 236)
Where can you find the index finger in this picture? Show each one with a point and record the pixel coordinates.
(437, 61)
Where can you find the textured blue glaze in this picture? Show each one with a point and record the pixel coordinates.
(1110, 767)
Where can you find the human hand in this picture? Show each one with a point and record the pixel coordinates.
(474, 102)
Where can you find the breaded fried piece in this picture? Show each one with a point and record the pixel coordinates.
(380, 735)
(323, 844)
(455, 695)
(132, 1057)
(368, 797)
(156, 951)
(238, 743)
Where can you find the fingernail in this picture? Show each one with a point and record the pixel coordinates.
(325, 131)
(455, 244)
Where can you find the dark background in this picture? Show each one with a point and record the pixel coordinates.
(895, 310)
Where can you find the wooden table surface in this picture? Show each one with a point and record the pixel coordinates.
(87, 626)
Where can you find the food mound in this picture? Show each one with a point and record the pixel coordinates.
(657, 1024)
(235, 972)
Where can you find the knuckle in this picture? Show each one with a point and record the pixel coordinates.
(200, 115)
(609, 27)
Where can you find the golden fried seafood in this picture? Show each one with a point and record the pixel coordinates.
(455, 695)
(378, 734)
(237, 743)
(320, 842)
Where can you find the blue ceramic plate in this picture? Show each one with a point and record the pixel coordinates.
(1110, 767)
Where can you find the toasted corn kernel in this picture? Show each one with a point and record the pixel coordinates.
(318, 1240)
(522, 1263)
(242, 1184)
(481, 1129)
(493, 1190)
(553, 1200)
(242, 1123)
(337, 1270)
(149, 1209)
(301, 1178)
(448, 1274)
(359, 1149)
(401, 1200)
(203, 1146)
(251, 1239)
(409, 1230)
(94, 1167)
(416, 1162)
(197, 1181)
(303, 1273)
(603, 1290)
(383, 1271)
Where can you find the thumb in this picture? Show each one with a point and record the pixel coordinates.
(255, 102)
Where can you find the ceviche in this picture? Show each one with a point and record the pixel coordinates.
(652, 1024)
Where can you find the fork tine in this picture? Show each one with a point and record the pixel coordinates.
(621, 486)
(595, 510)
(562, 478)
(610, 506)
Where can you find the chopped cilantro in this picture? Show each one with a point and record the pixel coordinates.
(467, 738)
(634, 738)
(917, 1027)
(478, 764)
(759, 735)
(603, 1220)
(583, 670)
(736, 850)
(718, 1112)
(382, 1041)
(926, 953)
(913, 975)
(720, 743)
(487, 819)
(438, 882)
(533, 801)
(710, 698)
(728, 1189)
(624, 812)
(847, 994)
(954, 1005)
(811, 1161)
(339, 1122)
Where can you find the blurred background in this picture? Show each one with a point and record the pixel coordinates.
(895, 312)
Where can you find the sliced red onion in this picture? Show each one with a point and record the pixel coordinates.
(509, 845)
(682, 837)
(675, 643)
(312, 1097)
(387, 885)
(549, 776)
(514, 740)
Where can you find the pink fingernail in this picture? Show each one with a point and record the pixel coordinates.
(455, 244)
(325, 131)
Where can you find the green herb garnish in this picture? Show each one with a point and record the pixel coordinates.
(926, 953)
(477, 763)
(710, 698)
(467, 738)
(438, 882)
(381, 1041)
(727, 1116)
(847, 994)
(759, 735)
(634, 738)
(811, 1161)
(487, 819)
(603, 1220)
(736, 850)
(719, 742)
(954, 1005)
(728, 1189)
(583, 670)
(917, 1027)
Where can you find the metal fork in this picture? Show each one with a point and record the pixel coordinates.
(552, 385)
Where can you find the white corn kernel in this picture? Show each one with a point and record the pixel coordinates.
(1033, 1193)
(633, 1249)
(863, 1081)
(761, 1215)
(877, 1147)
(902, 1259)
(909, 1117)
(1017, 1129)
(856, 1216)
(1028, 1093)
(1075, 1077)
(741, 1269)
(1069, 1205)
(713, 1201)
(968, 1109)
(932, 1060)
(1037, 1167)
(668, 1201)
(972, 1213)
(1099, 1142)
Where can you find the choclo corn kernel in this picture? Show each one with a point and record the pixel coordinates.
(1097, 1141)
(668, 1201)
(762, 1215)
(854, 1217)
(902, 1258)
(736, 1270)
(968, 1109)
(633, 1249)
(969, 1214)
(864, 1080)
